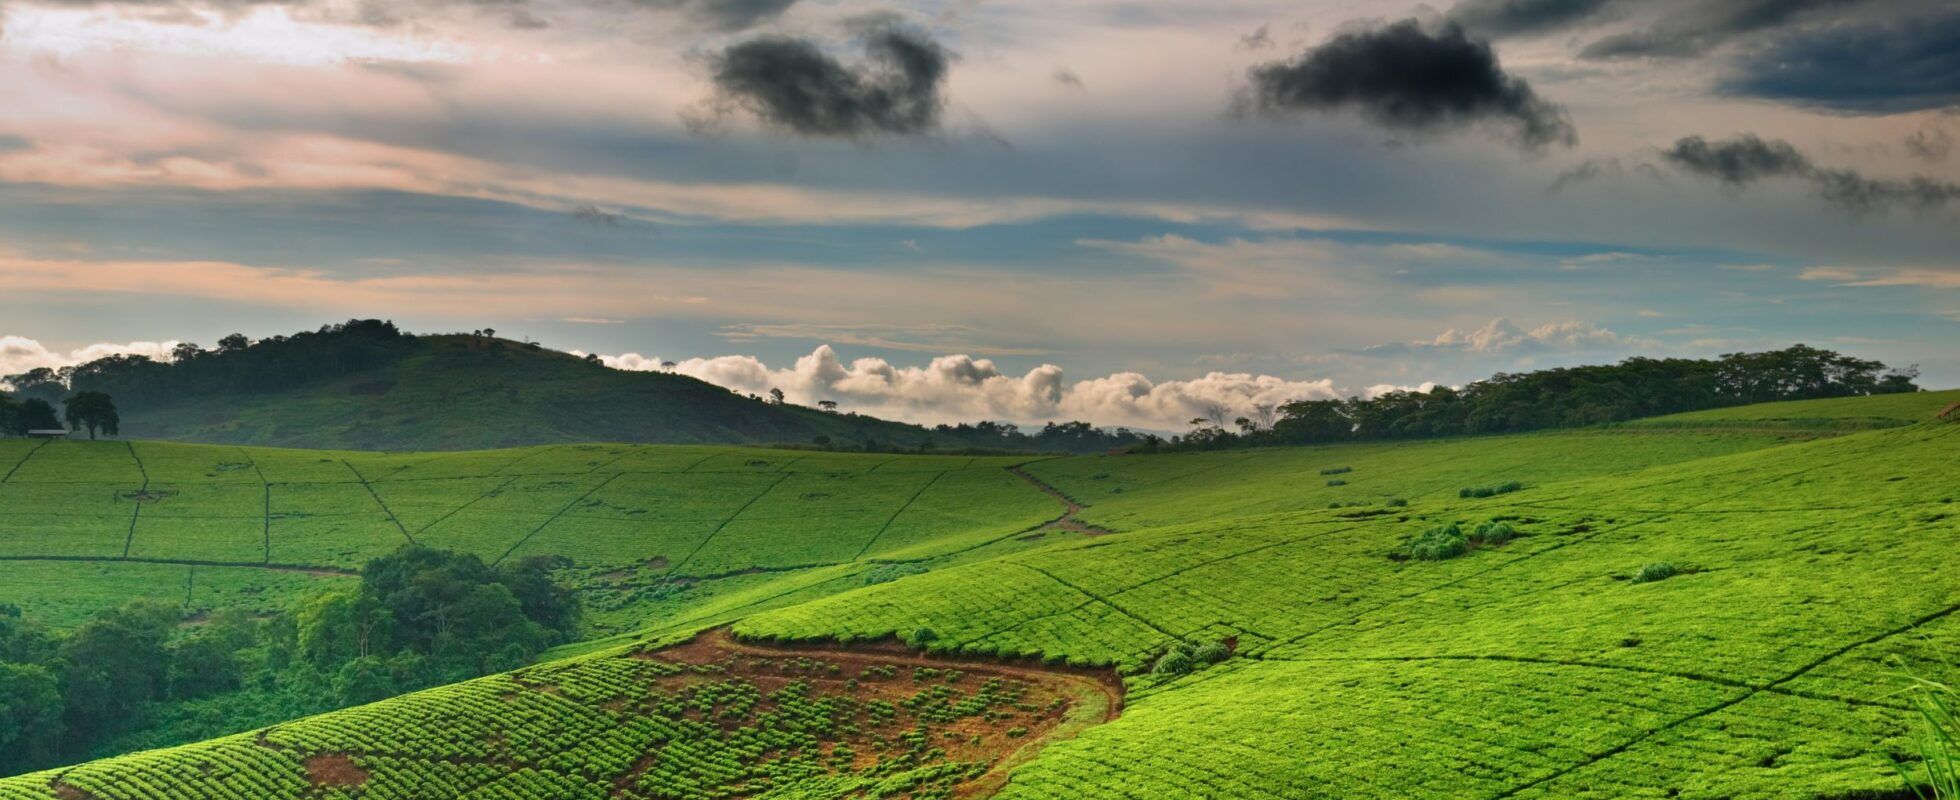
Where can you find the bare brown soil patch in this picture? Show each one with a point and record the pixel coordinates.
(1053, 703)
(334, 769)
(67, 791)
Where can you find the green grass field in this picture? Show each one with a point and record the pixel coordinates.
(1807, 563)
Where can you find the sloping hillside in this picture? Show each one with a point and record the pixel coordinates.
(1597, 614)
(460, 393)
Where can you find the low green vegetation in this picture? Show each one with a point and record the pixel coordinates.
(1492, 490)
(1937, 775)
(1657, 571)
(1528, 665)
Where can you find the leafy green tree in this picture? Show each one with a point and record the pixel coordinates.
(21, 641)
(201, 665)
(37, 415)
(30, 717)
(343, 625)
(114, 664)
(95, 411)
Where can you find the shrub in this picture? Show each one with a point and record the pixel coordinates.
(1337, 470)
(1396, 502)
(1438, 542)
(1506, 487)
(1493, 532)
(1657, 571)
(1186, 657)
(1337, 482)
(921, 637)
(886, 573)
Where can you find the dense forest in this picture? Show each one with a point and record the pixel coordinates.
(138, 676)
(1558, 398)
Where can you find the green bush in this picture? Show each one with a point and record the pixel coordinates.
(1186, 657)
(1396, 502)
(1493, 532)
(1438, 542)
(921, 637)
(1336, 470)
(1506, 487)
(1657, 571)
(1337, 482)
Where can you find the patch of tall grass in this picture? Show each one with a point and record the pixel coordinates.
(1937, 775)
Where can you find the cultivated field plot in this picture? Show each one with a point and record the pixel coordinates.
(669, 516)
(710, 718)
(1664, 612)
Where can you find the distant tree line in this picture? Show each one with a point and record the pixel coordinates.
(1560, 398)
(236, 366)
(142, 676)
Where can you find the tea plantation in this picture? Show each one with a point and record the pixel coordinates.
(1709, 609)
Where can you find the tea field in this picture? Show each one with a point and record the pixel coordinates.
(1703, 610)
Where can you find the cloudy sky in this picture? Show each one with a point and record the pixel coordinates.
(1116, 210)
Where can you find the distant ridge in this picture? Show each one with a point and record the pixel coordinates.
(366, 386)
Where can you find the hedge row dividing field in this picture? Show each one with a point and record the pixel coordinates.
(1664, 612)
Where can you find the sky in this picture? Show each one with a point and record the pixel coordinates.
(1112, 210)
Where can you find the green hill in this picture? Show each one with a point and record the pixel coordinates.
(449, 395)
(1621, 612)
(1880, 411)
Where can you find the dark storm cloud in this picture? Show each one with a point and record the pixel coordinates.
(793, 84)
(1405, 78)
(1739, 161)
(1517, 17)
(1746, 159)
(1695, 27)
(1877, 67)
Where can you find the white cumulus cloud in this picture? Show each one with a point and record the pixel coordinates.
(961, 388)
(19, 354)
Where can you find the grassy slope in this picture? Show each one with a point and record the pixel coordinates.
(1531, 670)
(455, 396)
(649, 529)
(1881, 411)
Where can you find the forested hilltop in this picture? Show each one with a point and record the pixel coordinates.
(368, 385)
(1568, 397)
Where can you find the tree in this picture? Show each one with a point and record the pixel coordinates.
(776, 396)
(37, 415)
(593, 358)
(668, 366)
(233, 343)
(342, 625)
(828, 405)
(113, 665)
(202, 664)
(94, 411)
(185, 351)
(30, 717)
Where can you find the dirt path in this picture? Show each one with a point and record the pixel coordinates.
(1068, 520)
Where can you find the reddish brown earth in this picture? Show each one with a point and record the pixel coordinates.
(334, 769)
(1057, 702)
